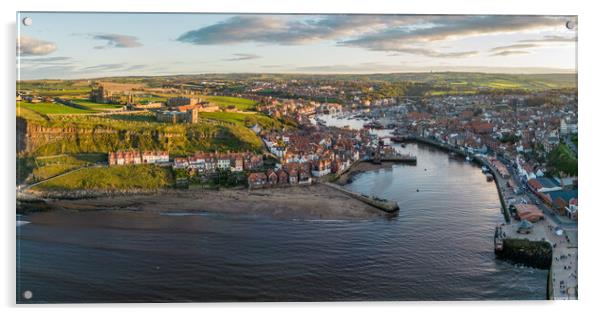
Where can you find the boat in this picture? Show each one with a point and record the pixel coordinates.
(468, 158)
(403, 145)
(397, 139)
(489, 177)
(373, 125)
(484, 169)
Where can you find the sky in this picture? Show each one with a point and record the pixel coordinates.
(91, 45)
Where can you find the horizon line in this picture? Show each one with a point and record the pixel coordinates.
(553, 71)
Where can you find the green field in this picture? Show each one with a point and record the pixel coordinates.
(97, 106)
(112, 178)
(55, 88)
(51, 108)
(241, 104)
(245, 119)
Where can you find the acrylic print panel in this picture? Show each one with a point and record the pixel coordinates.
(244, 157)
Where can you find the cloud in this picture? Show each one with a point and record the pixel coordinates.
(552, 39)
(513, 49)
(510, 52)
(519, 47)
(393, 33)
(114, 67)
(29, 46)
(104, 67)
(441, 28)
(513, 46)
(240, 57)
(116, 40)
(287, 31)
(46, 60)
(434, 53)
(39, 62)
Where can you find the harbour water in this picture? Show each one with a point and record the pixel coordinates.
(439, 247)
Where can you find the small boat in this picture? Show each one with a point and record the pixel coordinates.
(468, 158)
(403, 145)
(397, 139)
(489, 177)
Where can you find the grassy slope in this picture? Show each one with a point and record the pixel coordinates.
(28, 114)
(35, 169)
(51, 166)
(51, 108)
(112, 178)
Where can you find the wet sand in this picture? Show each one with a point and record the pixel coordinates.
(307, 202)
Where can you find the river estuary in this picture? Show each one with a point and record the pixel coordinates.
(439, 247)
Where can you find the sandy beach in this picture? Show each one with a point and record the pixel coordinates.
(306, 202)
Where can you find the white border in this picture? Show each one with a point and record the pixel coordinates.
(589, 110)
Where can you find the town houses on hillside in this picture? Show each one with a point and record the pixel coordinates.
(325, 151)
(288, 174)
(134, 157)
(210, 162)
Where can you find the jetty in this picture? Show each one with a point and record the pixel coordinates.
(381, 204)
(384, 153)
(406, 159)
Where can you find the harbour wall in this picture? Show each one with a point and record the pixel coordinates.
(536, 254)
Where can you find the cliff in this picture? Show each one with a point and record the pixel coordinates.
(37, 138)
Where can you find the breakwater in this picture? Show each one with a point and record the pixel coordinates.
(382, 204)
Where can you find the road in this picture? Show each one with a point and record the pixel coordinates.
(559, 221)
(564, 272)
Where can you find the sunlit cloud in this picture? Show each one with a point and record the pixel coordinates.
(239, 57)
(510, 52)
(29, 46)
(394, 33)
(116, 40)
